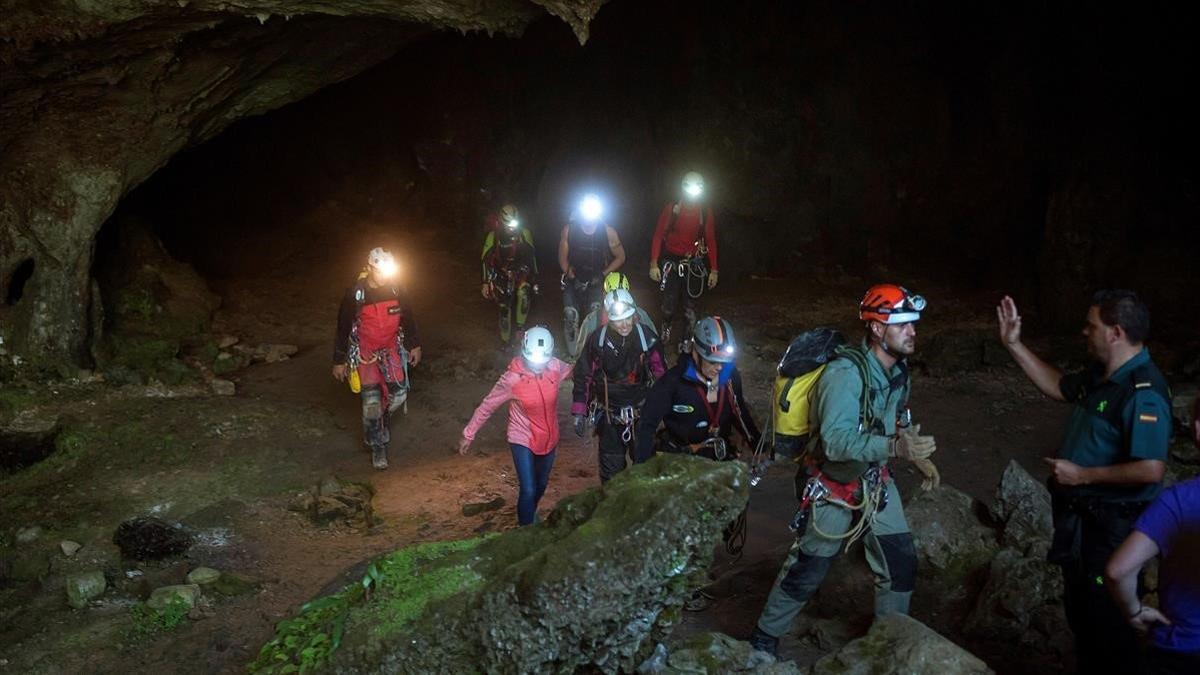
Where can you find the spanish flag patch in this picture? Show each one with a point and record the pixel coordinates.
(1147, 418)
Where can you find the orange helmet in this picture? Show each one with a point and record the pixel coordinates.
(889, 303)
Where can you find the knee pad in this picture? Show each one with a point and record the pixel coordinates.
(901, 557)
(805, 576)
(372, 402)
(570, 324)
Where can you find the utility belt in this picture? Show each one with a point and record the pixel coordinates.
(1082, 525)
(713, 447)
(868, 491)
(1097, 507)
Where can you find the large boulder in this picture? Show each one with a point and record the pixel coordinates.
(1023, 508)
(595, 586)
(1021, 605)
(900, 645)
(950, 539)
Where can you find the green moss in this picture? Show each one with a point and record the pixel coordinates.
(146, 622)
(397, 588)
(15, 399)
(231, 585)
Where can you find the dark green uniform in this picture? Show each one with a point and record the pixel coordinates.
(1125, 418)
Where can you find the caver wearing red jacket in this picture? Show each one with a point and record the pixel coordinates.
(531, 384)
(377, 336)
(683, 254)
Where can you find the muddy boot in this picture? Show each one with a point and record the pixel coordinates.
(379, 456)
(763, 642)
(699, 601)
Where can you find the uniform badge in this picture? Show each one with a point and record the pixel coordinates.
(683, 409)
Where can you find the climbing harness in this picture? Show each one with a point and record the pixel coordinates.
(865, 496)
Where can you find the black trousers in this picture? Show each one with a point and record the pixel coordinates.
(613, 449)
(1085, 537)
(676, 297)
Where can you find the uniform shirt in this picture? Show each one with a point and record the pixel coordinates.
(1173, 523)
(1098, 434)
(840, 443)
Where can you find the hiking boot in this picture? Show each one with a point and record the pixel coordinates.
(379, 457)
(763, 642)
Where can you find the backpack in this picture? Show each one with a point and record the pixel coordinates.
(798, 373)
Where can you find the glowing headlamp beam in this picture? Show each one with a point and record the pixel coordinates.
(591, 208)
(693, 190)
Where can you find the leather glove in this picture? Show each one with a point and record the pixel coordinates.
(655, 273)
(712, 278)
(580, 425)
(911, 445)
(932, 477)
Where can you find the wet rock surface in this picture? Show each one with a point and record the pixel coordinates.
(899, 645)
(596, 584)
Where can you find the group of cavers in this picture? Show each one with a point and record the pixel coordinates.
(839, 410)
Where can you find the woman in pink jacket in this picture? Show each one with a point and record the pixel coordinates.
(531, 383)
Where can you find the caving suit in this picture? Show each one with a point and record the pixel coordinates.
(510, 266)
(685, 246)
(589, 255)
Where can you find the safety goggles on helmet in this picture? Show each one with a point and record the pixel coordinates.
(713, 339)
(380, 260)
(538, 345)
(891, 304)
(619, 305)
(615, 280)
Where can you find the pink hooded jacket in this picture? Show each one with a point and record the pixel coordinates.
(532, 416)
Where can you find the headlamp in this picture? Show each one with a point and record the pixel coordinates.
(693, 190)
(618, 308)
(513, 224)
(386, 268)
(591, 208)
(916, 302)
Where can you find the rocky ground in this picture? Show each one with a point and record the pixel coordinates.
(247, 477)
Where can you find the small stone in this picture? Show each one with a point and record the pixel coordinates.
(202, 576)
(223, 387)
(83, 587)
(481, 507)
(161, 597)
(27, 535)
(227, 341)
(69, 548)
(329, 486)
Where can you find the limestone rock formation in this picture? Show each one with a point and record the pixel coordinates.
(1021, 604)
(1023, 506)
(898, 644)
(950, 539)
(97, 96)
(594, 586)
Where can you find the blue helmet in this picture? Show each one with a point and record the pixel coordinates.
(713, 339)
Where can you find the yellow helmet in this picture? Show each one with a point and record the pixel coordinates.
(615, 280)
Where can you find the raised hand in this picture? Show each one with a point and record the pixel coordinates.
(1009, 321)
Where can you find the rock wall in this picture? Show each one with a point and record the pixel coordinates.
(98, 96)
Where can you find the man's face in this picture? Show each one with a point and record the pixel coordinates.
(709, 370)
(1100, 337)
(378, 278)
(623, 326)
(900, 338)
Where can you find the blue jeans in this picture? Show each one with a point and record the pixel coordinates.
(533, 472)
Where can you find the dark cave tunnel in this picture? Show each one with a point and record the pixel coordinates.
(1026, 151)
(964, 150)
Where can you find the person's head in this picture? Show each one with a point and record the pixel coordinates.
(381, 266)
(1116, 319)
(508, 217)
(693, 186)
(615, 280)
(591, 210)
(713, 346)
(891, 313)
(621, 311)
(537, 348)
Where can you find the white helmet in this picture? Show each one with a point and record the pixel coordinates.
(381, 260)
(693, 185)
(619, 305)
(538, 345)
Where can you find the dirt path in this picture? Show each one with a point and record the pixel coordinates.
(306, 427)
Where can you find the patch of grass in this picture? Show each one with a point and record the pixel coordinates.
(147, 622)
(396, 590)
